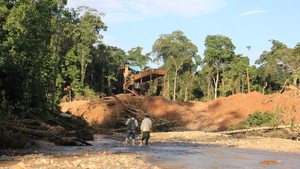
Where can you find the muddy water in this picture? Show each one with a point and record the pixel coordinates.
(195, 156)
(185, 155)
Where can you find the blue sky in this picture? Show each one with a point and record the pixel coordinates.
(133, 23)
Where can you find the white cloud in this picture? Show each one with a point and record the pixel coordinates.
(120, 10)
(101, 5)
(184, 8)
(253, 12)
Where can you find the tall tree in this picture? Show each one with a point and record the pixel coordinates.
(105, 69)
(219, 49)
(87, 35)
(186, 82)
(274, 67)
(29, 32)
(135, 57)
(4, 11)
(234, 76)
(57, 38)
(176, 51)
(294, 61)
(203, 86)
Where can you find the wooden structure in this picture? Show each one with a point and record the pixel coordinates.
(134, 82)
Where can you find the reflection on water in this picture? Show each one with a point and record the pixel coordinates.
(196, 156)
(185, 155)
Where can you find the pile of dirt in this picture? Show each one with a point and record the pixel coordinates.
(227, 111)
(213, 115)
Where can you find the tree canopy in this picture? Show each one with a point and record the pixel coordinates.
(178, 54)
(46, 50)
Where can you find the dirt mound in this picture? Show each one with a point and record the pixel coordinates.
(213, 115)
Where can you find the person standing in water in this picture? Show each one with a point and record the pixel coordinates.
(132, 125)
(146, 127)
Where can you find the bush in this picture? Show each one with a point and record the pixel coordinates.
(86, 93)
(259, 119)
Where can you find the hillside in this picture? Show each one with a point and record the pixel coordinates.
(209, 116)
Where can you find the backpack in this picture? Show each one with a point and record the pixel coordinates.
(131, 125)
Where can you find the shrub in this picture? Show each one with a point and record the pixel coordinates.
(259, 119)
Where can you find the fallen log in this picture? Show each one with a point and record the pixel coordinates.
(70, 141)
(108, 131)
(258, 129)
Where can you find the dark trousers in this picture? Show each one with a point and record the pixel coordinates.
(146, 136)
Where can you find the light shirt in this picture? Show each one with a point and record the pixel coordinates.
(146, 124)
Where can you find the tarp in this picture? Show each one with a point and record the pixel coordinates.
(135, 68)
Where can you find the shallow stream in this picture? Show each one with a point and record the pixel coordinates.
(184, 155)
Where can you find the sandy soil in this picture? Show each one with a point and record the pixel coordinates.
(217, 114)
(87, 161)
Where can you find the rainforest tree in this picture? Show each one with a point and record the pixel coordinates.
(178, 54)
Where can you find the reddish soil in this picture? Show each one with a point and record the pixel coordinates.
(213, 115)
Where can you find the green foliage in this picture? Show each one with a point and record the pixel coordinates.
(179, 55)
(219, 54)
(219, 49)
(135, 57)
(234, 75)
(37, 61)
(278, 117)
(89, 93)
(254, 79)
(6, 110)
(186, 86)
(152, 87)
(294, 62)
(259, 119)
(26, 51)
(87, 35)
(276, 66)
(175, 47)
(105, 70)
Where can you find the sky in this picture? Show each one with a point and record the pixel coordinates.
(133, 23)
